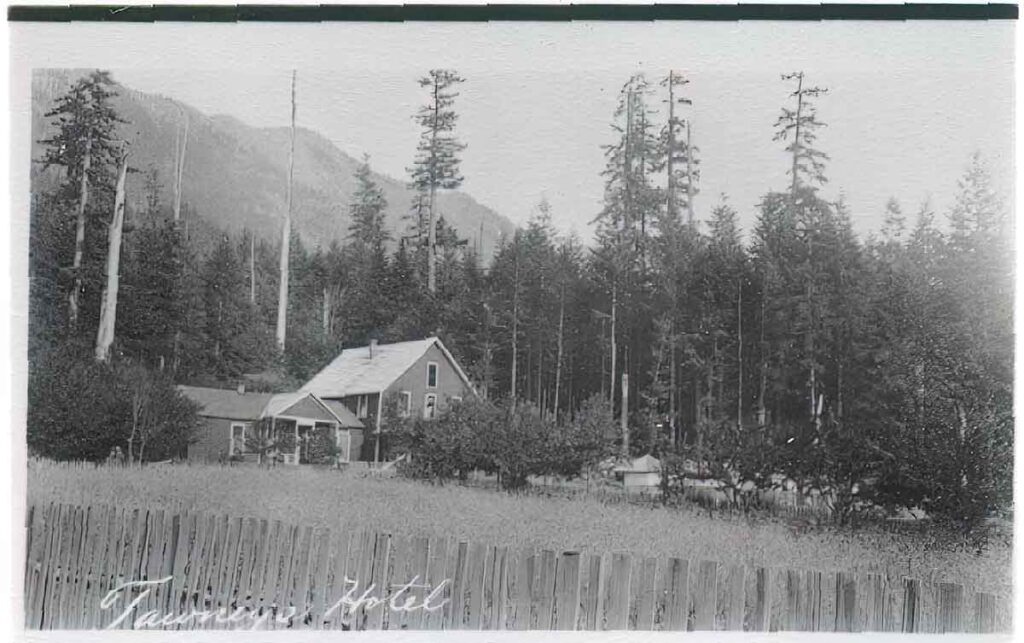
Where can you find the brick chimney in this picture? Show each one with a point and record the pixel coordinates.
(241, 388)
(373, 347)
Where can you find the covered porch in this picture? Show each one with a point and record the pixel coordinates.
(299, 428)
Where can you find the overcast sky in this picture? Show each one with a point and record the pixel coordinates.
(908, 103)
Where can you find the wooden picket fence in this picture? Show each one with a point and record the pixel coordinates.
(221, 572)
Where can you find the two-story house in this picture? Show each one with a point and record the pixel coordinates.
(422, 374)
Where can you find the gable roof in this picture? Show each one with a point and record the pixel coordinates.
(225, 403)
(306, 405)
(346, 417)
(231, 405)
(354, 373)
(644, 464)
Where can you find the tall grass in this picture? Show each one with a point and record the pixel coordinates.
(328, 498)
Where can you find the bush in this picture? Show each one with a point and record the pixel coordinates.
(444, 448)
(513, 441)
(80, 409)
(588, 439)
(321, 447)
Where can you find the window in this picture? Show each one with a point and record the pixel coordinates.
(240, 436)
(431, 374)
(429, 406)
(362, 411)
(405, 404)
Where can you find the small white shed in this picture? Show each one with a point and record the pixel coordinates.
(642, 475)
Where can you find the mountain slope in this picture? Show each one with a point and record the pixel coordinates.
(236, 175)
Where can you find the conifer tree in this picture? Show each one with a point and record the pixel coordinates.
(680, 157)
(799, 126)
(895, 222)
(366, 256)
(85, 145)
(436, 166)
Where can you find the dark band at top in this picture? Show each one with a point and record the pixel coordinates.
(497, 12)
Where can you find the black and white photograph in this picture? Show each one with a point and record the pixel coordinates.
(577, 325)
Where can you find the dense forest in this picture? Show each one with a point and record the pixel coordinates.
(879, 364)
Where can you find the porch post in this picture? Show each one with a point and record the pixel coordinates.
(376, 443)
(296, 442)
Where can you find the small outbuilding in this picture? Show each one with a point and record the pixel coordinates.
(641, 475)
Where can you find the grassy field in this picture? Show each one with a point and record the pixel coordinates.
(328, 498)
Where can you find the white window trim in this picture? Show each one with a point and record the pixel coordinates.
(437, 374)
(427, 407)
(406, 409)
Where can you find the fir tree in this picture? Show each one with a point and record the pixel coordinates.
(85, 146)
(799, 126)
(436, 166)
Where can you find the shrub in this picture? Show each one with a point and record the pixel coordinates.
(513, 441)
(588, 439)
(446, 447)
(80, 409)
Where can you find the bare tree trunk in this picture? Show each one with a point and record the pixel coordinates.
(558, 359)
(623, 414)
(762, 412)
(76, 265)
(709, 397)
(180, 167)
(739, 356)
(515, 325)
(432, 245)
(671, 191)
(327, 312)
(673, 393)
(108, 305)
(611, 386)
(689, 175)
(432, 220)
(540, 378)
(286, 234)
(796, 137)
(136, 411)
(839, 391)
(252, 269)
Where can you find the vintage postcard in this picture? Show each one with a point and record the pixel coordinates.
(513, 321)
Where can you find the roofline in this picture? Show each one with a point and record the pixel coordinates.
(316, 398)
(234, 418)
(341, 423)
(433, 339)
(458, 369)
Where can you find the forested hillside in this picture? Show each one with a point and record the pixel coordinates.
(877, 368)
(235, 176)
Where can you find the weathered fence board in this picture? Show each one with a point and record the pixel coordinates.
(203, 570)
(706, 595)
